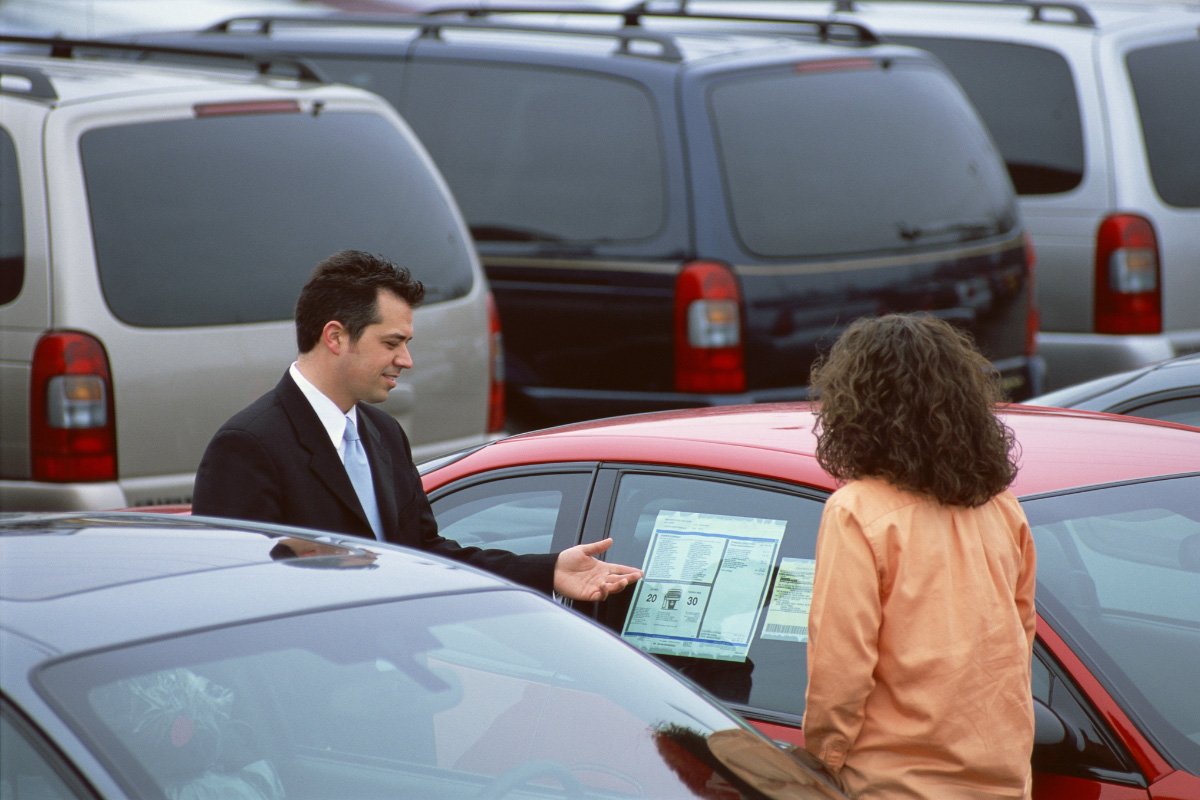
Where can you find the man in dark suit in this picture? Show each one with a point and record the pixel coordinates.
(290, 456)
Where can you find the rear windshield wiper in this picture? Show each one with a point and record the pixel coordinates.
(506, 233)
(963, 231)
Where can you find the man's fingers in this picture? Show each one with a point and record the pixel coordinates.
(596, 548)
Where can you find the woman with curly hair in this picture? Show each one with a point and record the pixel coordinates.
(922, 619)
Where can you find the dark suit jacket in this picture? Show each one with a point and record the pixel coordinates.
(274, 462)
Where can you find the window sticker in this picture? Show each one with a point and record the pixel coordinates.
(705, 581)
(787, 613)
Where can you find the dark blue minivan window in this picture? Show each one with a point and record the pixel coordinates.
(856, 156)
(537, 154)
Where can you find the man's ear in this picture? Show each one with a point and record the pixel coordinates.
(335, 337)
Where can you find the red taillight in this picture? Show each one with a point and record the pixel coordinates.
(72, 424)
(495, 415)
(708, 330)
(1033, 319)
(1128, 289)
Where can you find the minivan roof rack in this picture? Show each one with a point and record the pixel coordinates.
(265, 64)
(827, 30)
(428, 27)
(38, 85)
(1080, 15)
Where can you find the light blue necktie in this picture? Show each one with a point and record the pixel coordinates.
(359, 470)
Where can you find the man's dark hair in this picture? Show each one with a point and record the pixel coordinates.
(345, 287)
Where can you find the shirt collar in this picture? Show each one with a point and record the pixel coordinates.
(332, 418)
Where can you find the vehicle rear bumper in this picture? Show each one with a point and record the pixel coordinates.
(1076, 357)
(154, 490)
(542, 406)
(39, 496)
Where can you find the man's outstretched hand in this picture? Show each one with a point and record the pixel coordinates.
(579, 575)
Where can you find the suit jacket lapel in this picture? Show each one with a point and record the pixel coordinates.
(313, 438)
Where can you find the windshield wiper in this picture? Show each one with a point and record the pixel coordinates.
(965, 230)
(507, 233)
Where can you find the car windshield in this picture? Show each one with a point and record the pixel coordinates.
(483, 695)
(1119, 579)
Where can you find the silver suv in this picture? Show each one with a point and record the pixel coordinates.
(156, 224)
(1095, 107)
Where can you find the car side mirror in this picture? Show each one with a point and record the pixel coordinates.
(1055, 741)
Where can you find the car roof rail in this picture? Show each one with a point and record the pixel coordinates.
(1080, 15)
(264, 24)
(31, 82)
(431, 27)
(827, 30)
(264, 64)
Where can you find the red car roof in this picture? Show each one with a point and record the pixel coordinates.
(1059, 448)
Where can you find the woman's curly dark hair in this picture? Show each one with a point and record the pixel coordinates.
(909, 399)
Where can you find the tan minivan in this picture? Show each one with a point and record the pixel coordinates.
(156, 225)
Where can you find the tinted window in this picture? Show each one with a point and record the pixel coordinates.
(539, 154)
(220, 220)
(436, 697)
(1053, 687)
(518, 514)
(1166, 84)
(863, 158)
(12, 222)
(1026, 97)
(1119, 577)
(1184, 410)
(26, 770)
(728, 579)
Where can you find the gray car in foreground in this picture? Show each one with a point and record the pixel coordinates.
(157, 656)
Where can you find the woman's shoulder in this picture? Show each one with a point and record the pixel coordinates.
(871, 498)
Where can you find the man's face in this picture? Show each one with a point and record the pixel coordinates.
(370, 366)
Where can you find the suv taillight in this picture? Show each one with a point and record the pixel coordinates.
(73, 431)
(1033, 319)
(495, 414)
(1128, 287)
(708, 330)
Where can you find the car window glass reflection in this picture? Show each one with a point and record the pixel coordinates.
(709, 611)
(459, 696)
(24, 771)
(1184, 410)
(519, 514)
(1119, 567)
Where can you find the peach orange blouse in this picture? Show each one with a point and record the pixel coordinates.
(920, 645)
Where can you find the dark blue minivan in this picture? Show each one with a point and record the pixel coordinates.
(679, 215)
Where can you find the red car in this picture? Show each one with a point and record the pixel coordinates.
(721, 506)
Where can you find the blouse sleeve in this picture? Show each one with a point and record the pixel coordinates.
(844, 620)
(1026, 583)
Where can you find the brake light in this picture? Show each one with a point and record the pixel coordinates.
(1033, 317)
(495, 413)
(246, 107)
(73, 431)
(708, 330)
(1128, 290)
(836, 65)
